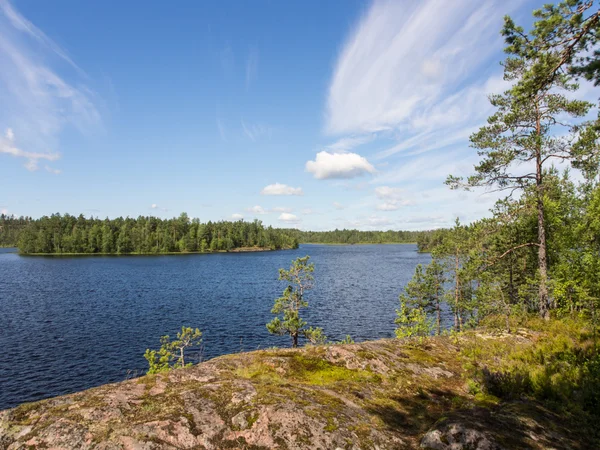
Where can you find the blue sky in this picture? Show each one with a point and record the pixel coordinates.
(311, 114)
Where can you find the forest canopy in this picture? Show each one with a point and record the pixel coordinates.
(62, 234)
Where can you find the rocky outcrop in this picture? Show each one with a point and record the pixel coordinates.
(374, 395)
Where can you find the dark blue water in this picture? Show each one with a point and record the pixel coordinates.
(70, 323)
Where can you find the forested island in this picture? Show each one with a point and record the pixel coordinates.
(67, 234)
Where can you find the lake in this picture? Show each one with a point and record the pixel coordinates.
(71, 323)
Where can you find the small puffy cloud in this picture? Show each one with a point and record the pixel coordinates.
(289, 218)
(393, 198)
(386, 192)
(256, 210)
(281, 189)
(4, 211)
(237, 216)
(155, 206)
(10, 135)
(388, 206)
(338, 206)
(338, 165)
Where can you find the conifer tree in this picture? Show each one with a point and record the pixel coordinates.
(535, 123)
(299, 278)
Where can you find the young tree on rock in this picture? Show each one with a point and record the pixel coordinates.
(171, 354)
(300, 279)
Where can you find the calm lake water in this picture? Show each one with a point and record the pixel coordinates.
(70, 323)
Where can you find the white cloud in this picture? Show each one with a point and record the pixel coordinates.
(348, 143)
(237, 216)
(393, 198)
(255, 132)
(389, 206)
(155, 206)
(289, 218)
(222, 131)
(386, 192)
(4, 211)
(7, 147)
(52, 170)
(404, 57)
(281, 189)
(338, 206)
(338, 165)
(372, 222)
(251, 66)
(256, 210)
(22, 24)
(38, 102)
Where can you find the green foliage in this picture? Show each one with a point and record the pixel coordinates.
(299, 278)
(412, 322)
(69, 234)
(561, 368)
(10, 229)
(347, 340)
(358, 237)
(171, 354)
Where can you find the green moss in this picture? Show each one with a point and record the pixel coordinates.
(320, 372)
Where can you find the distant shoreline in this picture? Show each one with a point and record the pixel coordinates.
(359, 243)
(235, 250)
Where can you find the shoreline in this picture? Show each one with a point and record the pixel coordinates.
(359, 243)
(235, 250)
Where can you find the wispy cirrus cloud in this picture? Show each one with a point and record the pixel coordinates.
(255, 132)
(222, 130)
(405, 57)
(251, 66)
(413, 84)
(8, 147)
(42, 90)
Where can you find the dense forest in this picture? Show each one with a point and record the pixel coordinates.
(540, 249)
(70, 234)
(64, 234)
(358, 237)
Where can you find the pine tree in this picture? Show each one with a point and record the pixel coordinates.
(299, 278)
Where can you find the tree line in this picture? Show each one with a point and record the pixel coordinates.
(69, 234)
(63, 234)
(358, 237)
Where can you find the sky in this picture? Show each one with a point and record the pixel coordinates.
(309, 114)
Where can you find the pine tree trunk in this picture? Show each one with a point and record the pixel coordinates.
(542, 258)
(456, 289)
(438, 315)
(295, 340)
(542, 261)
